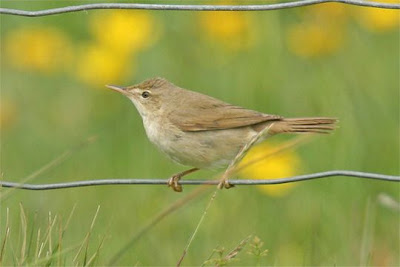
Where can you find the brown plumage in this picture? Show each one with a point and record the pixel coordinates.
(201, 131)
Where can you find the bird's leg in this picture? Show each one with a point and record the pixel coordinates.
(173, 181)
(224, 183)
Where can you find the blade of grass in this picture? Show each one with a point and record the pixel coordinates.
(37, 246)
(89, 234)
(49, 238)
(230, 170)
(86, 239)
(231, 167)
(197, 227)
(69, 218)
(24, 235)
(43, 260)
(178, 204)
(53, 163)
(50, 225)
(156, 219)
(224, 183)
(51, 233)
(28, 252)
(287, 145)
(366, 241)
(60, 236)
(64, 228)
(97, 252)
(6, 235)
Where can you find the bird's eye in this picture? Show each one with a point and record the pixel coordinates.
(145, 94)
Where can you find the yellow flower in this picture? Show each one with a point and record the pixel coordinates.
(124, 31)
(310, 39)
(98, 66)
(233, 30)
(279, 165)
(321, 32)
(326, 12)
(39, 48)
(118, 36)
(378, 19)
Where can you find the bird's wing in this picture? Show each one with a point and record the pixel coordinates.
(213, 114)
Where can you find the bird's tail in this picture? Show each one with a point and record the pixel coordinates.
(303, 125)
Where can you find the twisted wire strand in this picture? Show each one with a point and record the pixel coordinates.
(265, 7)
(364, 175)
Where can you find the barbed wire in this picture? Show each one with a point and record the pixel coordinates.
(265, 7)
(356, 174)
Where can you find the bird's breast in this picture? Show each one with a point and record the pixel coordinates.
(154, 129)
(204, 149)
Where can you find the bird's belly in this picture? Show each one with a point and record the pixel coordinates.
(203, 149)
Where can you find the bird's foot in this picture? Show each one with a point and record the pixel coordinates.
(224, 183)
(173, 183)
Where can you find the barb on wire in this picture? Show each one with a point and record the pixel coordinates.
(68, 9)
(365, 175)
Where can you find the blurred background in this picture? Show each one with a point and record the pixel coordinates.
(324, 60)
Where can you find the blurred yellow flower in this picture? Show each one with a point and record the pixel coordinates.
(326, 12)
(378, 19)
(98, 66)
(279, 165)
(124, 31)
(39, 48)
(233, 30)
(310, 39)
(118, 36)
(8, 114)
(321, 31)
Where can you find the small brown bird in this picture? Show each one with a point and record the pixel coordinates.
(203, 132)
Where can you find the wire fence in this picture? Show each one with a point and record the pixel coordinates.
(264, 7)
(337, 173)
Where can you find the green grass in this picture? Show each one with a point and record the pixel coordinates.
(336, 221)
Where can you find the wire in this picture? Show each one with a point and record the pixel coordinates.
(68, 9)
(365, 175)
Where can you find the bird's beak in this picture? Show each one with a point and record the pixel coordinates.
(117, 88)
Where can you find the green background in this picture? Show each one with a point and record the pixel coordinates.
(335, 221)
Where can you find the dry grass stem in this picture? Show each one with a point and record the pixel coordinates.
(60, 236)
(228, 258)
(94, 256)
(47, 237)
(37, 246)
(85, 242)
(6, 235)
(156, 219)
(24, 229)
(367, 236)
(281, 148)
(229, 171)
(233, 253)
(53, 163)
(232, 168)
(197, 227)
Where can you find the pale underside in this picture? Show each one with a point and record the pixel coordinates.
(211, 149)
(206, 133)
(201, 131)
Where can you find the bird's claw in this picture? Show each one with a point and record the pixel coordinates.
(173, 183)
(224, 183)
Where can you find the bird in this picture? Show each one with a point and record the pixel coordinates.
(203, 132)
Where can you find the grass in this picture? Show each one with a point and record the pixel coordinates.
(39, 247)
